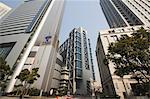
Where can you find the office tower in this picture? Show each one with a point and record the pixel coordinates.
(111, 83)
(4, 9)
(122, 13)
(29, 38)
(76, 53)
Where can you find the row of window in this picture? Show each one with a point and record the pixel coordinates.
(78, 56)
(78, 84)
(88, 86)
(112, 15)
(78, 43)
(91, 59)
(86, 52)
(139, 10)
(128, 14)
(78, 64)
(78, 49)
(116, 38)
(78, 73)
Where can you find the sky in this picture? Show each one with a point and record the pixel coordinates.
(79, 13)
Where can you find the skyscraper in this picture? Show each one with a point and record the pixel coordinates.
(29, 38)
(77, 56)
(122, 13)
(124, 18)
(4, 9)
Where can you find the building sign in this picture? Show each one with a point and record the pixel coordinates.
(47, 39)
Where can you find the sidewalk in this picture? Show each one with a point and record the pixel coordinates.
(34, 97)
(38, 97)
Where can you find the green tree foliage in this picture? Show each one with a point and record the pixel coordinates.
(5, 72)
(27, 78)
(131, 55)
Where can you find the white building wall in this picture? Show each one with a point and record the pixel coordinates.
(49, 25)
(141, 8)
(106, 39)
(4, 9)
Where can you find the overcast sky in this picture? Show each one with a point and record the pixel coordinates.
(79, 13)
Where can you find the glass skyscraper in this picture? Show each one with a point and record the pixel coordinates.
(76, 52)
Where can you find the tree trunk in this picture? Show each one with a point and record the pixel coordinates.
(17, 93)
(23, 88)
(25, 85)
(27, 90)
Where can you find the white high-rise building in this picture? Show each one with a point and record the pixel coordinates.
(29, 38)
(122, 13)
(4, 9)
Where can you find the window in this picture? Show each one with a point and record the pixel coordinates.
(78, 43)
(5, 49)
(78, 38)
(78, 73)
(32, 54)
(107, 39)
(78, 83)
(78, 64)
(88, 86)
(115, 38)
(78, 34)
(124, 36)
(87, 66)
(78, 56)
(78, 49)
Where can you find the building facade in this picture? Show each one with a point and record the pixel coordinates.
(122, 13)
(76, 53)
(59, 77)
(29, 38)
(124, 17)
(111, 83)
(4, 9)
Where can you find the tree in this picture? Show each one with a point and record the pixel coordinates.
(5, 72)
(27, 78)
(130, 55)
